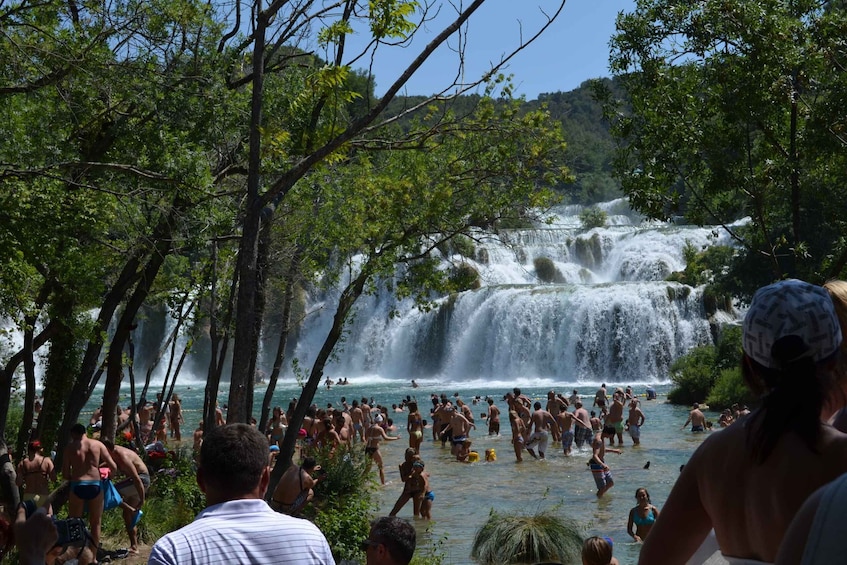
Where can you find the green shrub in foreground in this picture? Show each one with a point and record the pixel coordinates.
(510, 538)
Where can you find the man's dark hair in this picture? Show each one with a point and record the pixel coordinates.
(233, 458)
(309, 463)
(78, 429)
(397, 535)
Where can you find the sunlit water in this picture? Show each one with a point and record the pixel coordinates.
(465, 493)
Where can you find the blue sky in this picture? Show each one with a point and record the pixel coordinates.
(574, 49)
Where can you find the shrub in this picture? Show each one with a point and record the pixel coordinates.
(693, 376)
(464, 277)
(729, 389)
(343, 501)
(506, 538)
(546, 270)
(593, 217)
(696, 374)
(464, 246)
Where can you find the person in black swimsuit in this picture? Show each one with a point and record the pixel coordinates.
(295, 488)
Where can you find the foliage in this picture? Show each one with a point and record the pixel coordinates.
(729, 389)
(464, 277)
(696, 374)
(593, 217)
(693, 376)
(733, 114)
(546, 270)
(508, 538)
(174, 481)
(343, 500)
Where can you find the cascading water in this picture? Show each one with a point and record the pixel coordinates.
(610, 317)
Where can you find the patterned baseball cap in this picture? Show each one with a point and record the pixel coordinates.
(790, 307)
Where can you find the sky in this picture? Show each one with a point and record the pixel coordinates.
(574, 49)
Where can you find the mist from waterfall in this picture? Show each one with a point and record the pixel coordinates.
(610, 317)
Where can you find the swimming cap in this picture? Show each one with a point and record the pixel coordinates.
(790, 307)
(274, 448)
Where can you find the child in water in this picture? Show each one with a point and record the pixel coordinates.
(598, 551)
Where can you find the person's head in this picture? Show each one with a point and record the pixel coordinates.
(409, 455)
(391, 542)
(791, 334)
(641, 495)
(537, 406)
(517, 391)
(490, 401)
(309, 464)
(34, 446)
(77, 431)
(233, 463)
(596, 551)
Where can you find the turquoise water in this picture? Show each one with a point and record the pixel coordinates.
(465, 493)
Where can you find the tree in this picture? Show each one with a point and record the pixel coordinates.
(397, 207)
(733, 114)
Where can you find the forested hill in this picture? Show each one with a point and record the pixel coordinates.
(590, 146)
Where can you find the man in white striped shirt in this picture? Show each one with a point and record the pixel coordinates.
(237, 525)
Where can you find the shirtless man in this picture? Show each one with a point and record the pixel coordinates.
(83, 458)
(518, 407)
(145, 421)
(599, 469)
(518, 433)
(600, 399)
(34, 474)
(565, 421)
(615, 417)
(554, 406)
(198, 438)
(133, 489)
(574, 397)
(542, 421)
(635, 421)
(357, 418)
(374, 435)
(582, 433)
(296, 487)
(459, 428)
(367, 417)
(696, 419)
(176, 417)
(493, 418)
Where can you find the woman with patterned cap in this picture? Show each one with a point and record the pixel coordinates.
(748, 481)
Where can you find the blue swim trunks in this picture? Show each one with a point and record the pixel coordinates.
(86, 490)
(601, 476)
(429, 495)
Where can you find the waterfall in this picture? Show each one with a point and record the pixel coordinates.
(609, 317)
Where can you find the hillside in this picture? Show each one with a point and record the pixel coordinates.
(590, 146)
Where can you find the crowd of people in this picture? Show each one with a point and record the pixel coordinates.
(787, 460)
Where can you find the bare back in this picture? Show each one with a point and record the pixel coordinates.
(751, 511)
(83, 459)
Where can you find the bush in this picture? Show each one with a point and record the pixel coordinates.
(547, 271)
(593, 217)
(343, 501)
(729, 389)
(506, 538)
(464, 277)
(693, 376)
(696, 374)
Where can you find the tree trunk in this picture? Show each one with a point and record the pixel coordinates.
(287, 301)
(345, 304)
(241, 380)
(114, 359)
